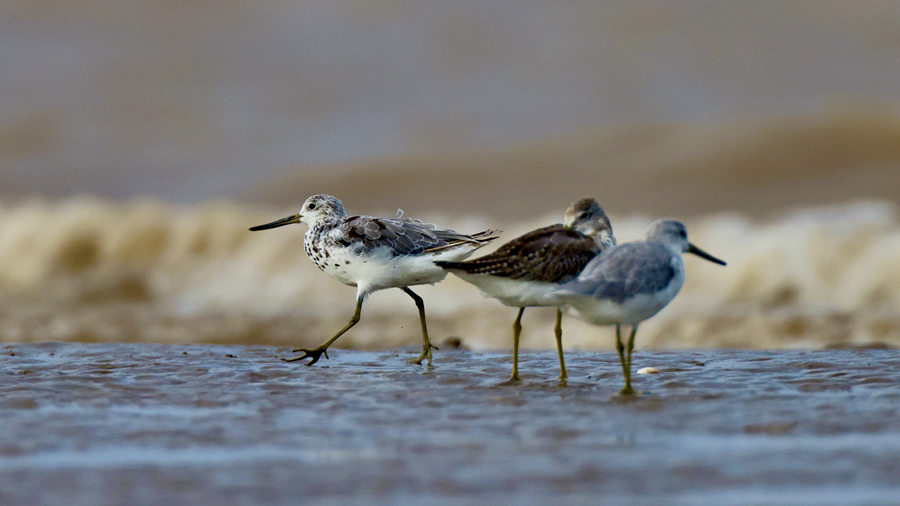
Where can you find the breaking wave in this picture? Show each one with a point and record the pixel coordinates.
(95, 270)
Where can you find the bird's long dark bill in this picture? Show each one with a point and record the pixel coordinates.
(295, 218)
(700, 253)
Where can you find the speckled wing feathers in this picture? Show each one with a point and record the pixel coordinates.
(553, 254)
(404, 236)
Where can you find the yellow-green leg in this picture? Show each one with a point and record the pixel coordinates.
(627, 366)
(317, 352)
(620, 349)
(426, 343)
(517, 330)
(559, 347)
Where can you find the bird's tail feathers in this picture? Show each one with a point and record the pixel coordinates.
(454, 240)
(449, 265)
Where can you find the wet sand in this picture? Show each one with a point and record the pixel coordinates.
(203, 424)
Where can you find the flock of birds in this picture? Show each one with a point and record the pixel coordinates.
(577, 263)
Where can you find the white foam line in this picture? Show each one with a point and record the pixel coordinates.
(123, 457)
(803, 495)
(747, 444)
(162, 410)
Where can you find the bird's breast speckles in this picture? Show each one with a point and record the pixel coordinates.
(317, 248)
(329, 253)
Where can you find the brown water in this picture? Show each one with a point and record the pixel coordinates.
(200, 424)
(189, 102)
(758, 167)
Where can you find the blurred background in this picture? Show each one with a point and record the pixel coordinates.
(140, 140)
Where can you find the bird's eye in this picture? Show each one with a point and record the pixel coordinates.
(683, 234)
(311, 206)
(583, 216)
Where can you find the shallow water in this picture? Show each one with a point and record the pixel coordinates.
(203, 424)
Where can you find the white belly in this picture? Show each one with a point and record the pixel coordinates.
(632, 310)
(378, 270)
(511, 292)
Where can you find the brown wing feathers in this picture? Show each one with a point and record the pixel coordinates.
(551, 254)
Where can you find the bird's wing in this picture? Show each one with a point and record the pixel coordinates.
(403, 236)
(553, 254)
(625, 271)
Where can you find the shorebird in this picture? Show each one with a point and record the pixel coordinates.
(632, 282)
(376, 253)
(523, 272)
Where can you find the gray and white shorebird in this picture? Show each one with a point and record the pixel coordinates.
(376, 253)
(525, 271)
(632, 282)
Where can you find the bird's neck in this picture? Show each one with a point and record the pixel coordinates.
(604, 241)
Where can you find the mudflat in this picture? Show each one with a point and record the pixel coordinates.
(223, 425)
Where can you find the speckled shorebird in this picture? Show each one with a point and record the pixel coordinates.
(632, 282)
(376, 253)
(523, 272)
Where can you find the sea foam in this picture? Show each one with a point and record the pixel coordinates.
(94, 270)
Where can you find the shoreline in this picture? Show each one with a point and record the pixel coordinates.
(217, 424)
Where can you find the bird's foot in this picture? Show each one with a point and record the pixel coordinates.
(314, 354)
(426, 354)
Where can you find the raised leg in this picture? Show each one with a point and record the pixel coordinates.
(426, 343)
(517, 330)
(317, 352)
(628, 390)
(559, 348)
